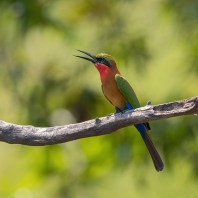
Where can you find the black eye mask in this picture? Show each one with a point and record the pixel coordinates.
(103, 61)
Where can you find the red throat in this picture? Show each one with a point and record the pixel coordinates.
(103, 70)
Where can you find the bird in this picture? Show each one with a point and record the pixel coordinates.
(121, 95)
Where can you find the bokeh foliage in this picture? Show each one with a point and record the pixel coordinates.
(41, 83)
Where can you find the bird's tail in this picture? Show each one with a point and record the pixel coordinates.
(158, 163)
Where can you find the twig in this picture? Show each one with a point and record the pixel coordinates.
(38, 136)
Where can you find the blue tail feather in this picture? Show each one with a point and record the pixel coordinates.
(158, 163)
(140, 127)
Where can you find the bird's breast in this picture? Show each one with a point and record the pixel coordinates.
(112, 93)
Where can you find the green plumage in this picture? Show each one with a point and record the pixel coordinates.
(122, 96)
(127, 91)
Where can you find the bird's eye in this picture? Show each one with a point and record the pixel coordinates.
(104, 61)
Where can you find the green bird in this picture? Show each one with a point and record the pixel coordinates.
(121, 95)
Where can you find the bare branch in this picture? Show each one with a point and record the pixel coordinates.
(35, 136)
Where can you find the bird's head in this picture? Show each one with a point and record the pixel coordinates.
(105, 63)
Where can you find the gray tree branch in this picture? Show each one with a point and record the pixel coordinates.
(39, 136)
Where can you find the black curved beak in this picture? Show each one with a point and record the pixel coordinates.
(93, 60)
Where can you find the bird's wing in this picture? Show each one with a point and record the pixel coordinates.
(127, 91)
(129, 94)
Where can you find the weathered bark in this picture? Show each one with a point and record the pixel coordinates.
(35, 136)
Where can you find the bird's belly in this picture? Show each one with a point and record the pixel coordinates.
(115, 97)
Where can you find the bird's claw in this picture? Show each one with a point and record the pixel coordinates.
(123, 111)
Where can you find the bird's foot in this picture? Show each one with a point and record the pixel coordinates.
(124, 111)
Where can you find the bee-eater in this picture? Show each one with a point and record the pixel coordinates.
(121, 95)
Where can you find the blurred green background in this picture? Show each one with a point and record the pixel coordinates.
(155, 44)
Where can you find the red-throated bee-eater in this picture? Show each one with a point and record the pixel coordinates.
(121, 95)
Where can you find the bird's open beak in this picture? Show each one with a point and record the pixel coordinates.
(93, 60)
